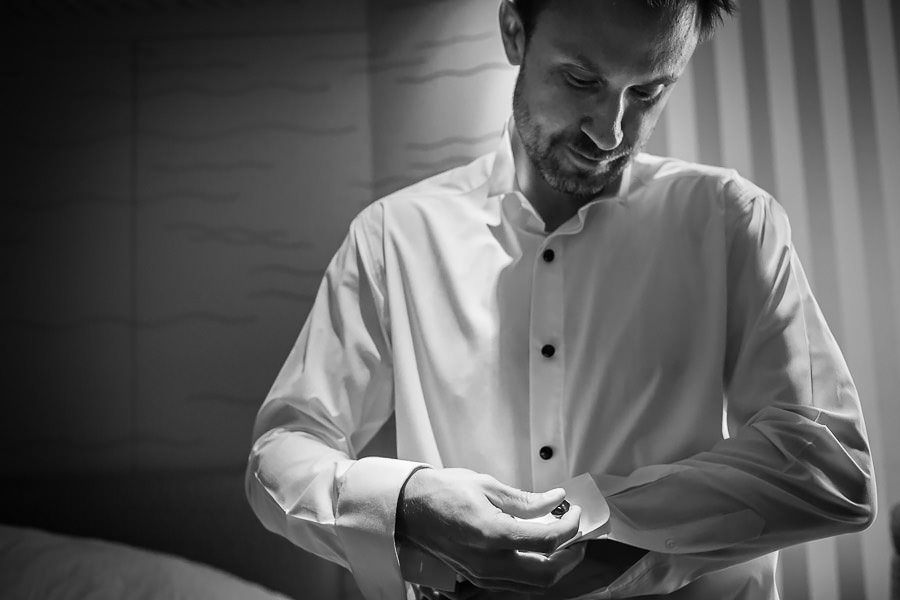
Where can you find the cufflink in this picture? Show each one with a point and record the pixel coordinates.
(560, 510)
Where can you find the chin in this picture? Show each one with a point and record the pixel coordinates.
(588, 184)
(578, 189)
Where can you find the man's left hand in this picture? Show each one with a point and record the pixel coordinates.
(603, 563)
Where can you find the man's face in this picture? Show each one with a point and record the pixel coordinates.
(594, 78)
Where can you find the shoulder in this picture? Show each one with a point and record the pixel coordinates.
(670, 175)
(740, 201)
(443, 195)
(446, 195)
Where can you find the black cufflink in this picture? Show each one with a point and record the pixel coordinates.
(560, 510)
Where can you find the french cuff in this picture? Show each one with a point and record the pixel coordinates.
(594, 523)
(424, 569)
(365, 517)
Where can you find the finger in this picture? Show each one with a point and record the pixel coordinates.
(565, 561)
(505, 532)
(466, 590)
(522, 504)
(476, 583)
(522, 571)
(487, 588)
(579, 550)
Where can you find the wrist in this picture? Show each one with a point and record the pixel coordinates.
(409, 494)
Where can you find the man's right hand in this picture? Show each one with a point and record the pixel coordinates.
(467, 520)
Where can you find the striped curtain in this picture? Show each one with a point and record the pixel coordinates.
(802, 97)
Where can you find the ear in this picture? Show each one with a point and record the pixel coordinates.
(512, 32)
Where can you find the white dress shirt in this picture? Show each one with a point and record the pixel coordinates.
(612, 346)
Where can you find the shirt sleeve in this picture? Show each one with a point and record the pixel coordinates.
(796, 465)
(333, 393)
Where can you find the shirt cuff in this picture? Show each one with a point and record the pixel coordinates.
(423, 569)
(583, 492)
(365, 518)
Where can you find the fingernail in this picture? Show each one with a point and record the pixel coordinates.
(555, 491)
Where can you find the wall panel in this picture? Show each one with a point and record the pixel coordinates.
(250, 151)
(66, 257)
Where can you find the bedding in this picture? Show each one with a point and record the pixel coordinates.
(35, 564)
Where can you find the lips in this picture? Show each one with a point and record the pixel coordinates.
(592, 160)
(588, 155)
(589, 161)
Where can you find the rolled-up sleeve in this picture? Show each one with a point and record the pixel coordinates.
(796, 464)
(333, 393)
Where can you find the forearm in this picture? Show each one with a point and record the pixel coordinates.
(779, 482)
(787, 477)
(290, 482)
(338, 508)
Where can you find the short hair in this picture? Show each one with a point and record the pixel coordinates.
(709, 12)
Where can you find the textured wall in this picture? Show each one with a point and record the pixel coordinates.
(175, 181)
(172, 202)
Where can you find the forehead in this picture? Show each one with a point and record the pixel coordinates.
(620, 35)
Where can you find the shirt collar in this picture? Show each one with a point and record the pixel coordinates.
(503, 172)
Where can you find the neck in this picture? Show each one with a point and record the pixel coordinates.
(555, 208)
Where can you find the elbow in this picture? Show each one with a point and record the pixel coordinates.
(846, 478)
(249, 483)
(252, 491)
(856, 505)
(269, 514)
(866, 505)
(839, 490)
(864, 491)
(258, 497)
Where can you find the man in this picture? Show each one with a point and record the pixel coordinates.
(569, 316)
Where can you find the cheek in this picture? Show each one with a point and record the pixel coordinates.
(640, 123)
(555, 108)
(552, 114)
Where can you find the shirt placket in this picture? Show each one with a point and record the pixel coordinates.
(549, 464)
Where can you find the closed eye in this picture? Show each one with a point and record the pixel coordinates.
(647, 95)
(578, 82)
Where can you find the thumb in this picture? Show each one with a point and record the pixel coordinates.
(523, 504)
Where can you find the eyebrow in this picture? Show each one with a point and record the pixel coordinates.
(586, 63)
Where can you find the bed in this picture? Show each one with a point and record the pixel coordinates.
(41, 565)
(145, 535)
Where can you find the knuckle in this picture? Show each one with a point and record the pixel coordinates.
(551, 542)
(525, 498)
(490, 537)
(484, 479)
(523, 541)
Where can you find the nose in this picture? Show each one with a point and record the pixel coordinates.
(604, 123)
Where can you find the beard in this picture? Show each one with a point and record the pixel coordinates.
(549, 153)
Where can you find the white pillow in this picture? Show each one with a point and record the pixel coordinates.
(43, 566)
